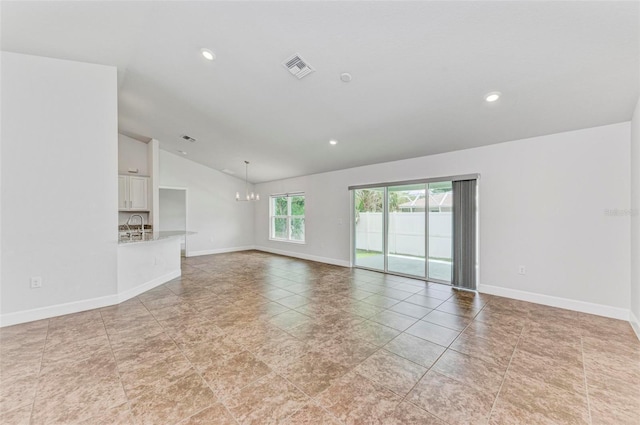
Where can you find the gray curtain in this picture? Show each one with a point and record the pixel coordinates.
(464, 234)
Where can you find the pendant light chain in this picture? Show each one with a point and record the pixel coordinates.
(249, 197)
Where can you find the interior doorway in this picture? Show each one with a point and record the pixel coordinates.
(173, 212)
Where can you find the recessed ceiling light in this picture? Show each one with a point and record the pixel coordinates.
(333, 142)
(208, 54)
(182, 152)
(493, 96)
(345, 77)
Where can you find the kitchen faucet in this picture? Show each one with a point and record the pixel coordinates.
(141, 222)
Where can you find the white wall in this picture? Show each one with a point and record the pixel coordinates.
(153, 156)
(173, 209)
(59, 181)
(635, 219)
(542, 205)
(132, 153)
(221, 223)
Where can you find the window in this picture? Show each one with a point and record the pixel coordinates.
(287, 217)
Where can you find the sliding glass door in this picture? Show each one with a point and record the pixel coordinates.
(406, 230)
(440, 221)
(369, 237)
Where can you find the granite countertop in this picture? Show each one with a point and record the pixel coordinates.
(134, 227)
(153, 236)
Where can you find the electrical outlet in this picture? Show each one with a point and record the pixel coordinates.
(36, 282)
(522, 270)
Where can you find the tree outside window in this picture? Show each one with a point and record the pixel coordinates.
(287, 217)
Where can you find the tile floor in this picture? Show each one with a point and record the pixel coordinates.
(257, 338)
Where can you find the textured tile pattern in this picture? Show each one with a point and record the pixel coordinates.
(255, 338)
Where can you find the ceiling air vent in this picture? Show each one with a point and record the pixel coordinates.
(298, 66)
(188, 138)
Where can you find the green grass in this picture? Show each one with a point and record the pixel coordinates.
(361, 253)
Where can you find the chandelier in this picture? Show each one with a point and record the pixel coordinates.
(248, 196)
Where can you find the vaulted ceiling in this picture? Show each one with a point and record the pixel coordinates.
(420, 73)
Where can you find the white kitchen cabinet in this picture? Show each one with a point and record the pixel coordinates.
(133, 193)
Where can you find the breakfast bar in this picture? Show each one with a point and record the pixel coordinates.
(148, 260)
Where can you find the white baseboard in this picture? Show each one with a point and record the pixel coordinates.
(41, 313)
(83, 305)
(134, 292)
(219, 251)
(635, 323)
(325, 260)
(569, 304)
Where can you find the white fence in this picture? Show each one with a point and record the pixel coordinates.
(406, 233)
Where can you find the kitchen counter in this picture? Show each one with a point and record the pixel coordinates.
(153, 236)
(144, 263)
